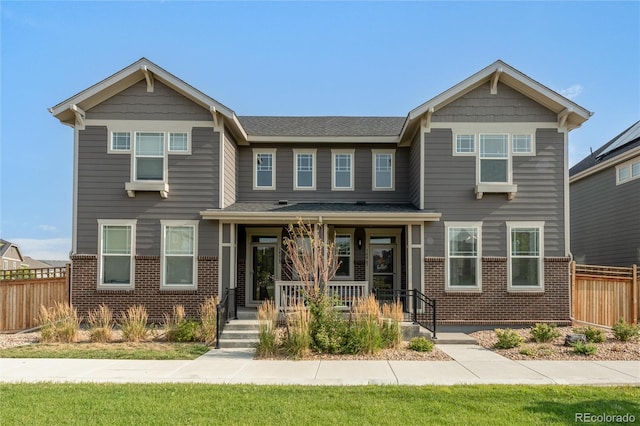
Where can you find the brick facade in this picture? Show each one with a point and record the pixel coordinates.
(494, 305)
(85, 296)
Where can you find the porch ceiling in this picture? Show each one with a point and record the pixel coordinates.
(335, 213)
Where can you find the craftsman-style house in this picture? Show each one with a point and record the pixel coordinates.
(464, 198)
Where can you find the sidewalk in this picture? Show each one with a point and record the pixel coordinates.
(472, 364)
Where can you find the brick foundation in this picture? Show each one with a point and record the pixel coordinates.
(85, 296)
(495, 305)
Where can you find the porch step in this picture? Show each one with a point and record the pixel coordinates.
(240, 333)
(247, 313)
(237, 343)
(241, 324)
(455, 339)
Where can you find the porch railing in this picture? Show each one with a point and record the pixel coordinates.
(225, 310)
(289, 293)
(421, 308)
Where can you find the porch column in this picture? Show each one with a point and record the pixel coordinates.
(415, 256)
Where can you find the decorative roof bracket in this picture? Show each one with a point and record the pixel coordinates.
(214, 114)
(563, 115)
(148, 75)
(426, 123)
(80, 116)
(494, 81)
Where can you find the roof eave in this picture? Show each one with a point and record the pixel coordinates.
(605, 164)
(319, 216)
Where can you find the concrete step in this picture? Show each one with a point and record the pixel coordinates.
(247, 314)
(448, 338)
(237, 343)
(240, 334)
(241, 325)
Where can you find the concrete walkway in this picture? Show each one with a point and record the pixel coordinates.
(472, 364)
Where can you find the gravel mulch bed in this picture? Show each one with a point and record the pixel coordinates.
(609, 350)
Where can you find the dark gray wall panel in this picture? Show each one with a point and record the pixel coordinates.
(414, 171)
(605, 220)
(135, 103)
(480, 105)
(193, 182)
(284, 176)
(449, 189)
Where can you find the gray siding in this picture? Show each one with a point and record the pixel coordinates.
(193, 183)
(507, 105)
(135, 103)
(414, 171)
(605, 220)
(230, 159)
(449, 189)
(362, 177)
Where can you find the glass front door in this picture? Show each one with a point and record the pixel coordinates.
(263, 260)
(383, 273)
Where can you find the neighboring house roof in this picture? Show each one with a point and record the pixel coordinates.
(261, 129)
(617, 150)
(322, 126)
(6, 245)
(32, 263)
(285, 212)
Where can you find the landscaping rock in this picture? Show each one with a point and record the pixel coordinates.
(572, 339)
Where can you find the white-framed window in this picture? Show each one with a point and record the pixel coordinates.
(522, 145)
(5, 265)
(383, 169)
(628, 171)
(342, 169)
(264, 169)
(116, 251)
(343, 242)
(463, 256)
(120, 143)
(150, 161)
(526, 255)
(494, 160)
(179, 262)
(179, 143)
(464, 145)
(304, 164)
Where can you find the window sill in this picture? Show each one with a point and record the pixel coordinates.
(115, 288)
(161, 187)
(525, 290)
(496, 188)
(469, 290)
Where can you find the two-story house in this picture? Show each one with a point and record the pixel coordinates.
(605, 202)
(465, 198)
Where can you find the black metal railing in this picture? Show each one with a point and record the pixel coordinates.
(420, 308)
(223, 313)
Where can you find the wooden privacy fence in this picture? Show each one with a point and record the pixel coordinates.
(604, 294)
(22, 292)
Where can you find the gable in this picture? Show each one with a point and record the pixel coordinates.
(13, 253)
(135, 103)
(507, 105)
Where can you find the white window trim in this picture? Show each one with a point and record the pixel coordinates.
(531, 153)
(311, 152)
(374, 185)
(335, 152)
(351, 233)
(111, 150)
(508, 159)
(271, 151)
(165, 165)
(117, 222)
(173, 152)
(169, 223)
(478, 287)
(627, 165)
(531, 224)
(455, 151)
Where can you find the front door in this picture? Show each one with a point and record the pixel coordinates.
(383, 265)
(263, 256)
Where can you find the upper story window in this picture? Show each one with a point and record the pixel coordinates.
(463, 254)
(342, 167)
(526, 258)
(150, 156)
(383, 169)
(464, 145)
(522, 145)
(494, 158)
(264, 172)
(179, 143)
(628, 171)
(120, 142)
(179, 261)
(116, 251)
(305, 169)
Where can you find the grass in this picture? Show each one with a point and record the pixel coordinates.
(107, 351)
(159, 404)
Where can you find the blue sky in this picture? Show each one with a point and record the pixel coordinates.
(289, 58)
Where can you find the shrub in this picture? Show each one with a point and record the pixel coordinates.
(593, 335)
(298, 337)
(421, 344)
(59, 323)
(528, 351)
(624, 331)
(208, 320)
(366, 330)
(268, 322)
(584, 348)
(133, 323)
(544, 332)
(101, 324)
(391, 324)
(180, 329)
(508, 339)
(326, 327)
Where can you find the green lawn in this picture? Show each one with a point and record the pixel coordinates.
(147, 350)
(159, 404)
